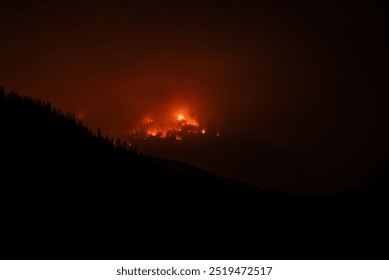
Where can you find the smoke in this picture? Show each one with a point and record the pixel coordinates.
(303, 82)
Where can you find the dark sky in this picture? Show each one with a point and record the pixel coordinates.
(307, 79)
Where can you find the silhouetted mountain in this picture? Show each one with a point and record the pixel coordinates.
(69, 193)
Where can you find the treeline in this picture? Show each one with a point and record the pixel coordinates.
(27, 105)
(68, 193)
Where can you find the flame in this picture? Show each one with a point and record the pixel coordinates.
(177, 125)
(185, 118)
(152, 132)
(180, 117)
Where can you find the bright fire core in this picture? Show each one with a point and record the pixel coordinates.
(178, 125)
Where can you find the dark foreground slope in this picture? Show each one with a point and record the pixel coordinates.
(69, 194)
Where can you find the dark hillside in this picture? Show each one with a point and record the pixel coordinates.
(69, 194)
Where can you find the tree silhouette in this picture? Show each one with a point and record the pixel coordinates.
(95, 199)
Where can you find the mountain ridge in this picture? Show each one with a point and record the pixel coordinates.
(70, 194)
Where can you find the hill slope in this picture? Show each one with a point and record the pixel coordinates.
(69, 194)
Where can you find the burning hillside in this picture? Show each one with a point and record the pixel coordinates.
(178, 125)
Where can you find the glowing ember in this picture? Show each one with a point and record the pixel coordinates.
(152, 132)
(147, 120)
(177, 125)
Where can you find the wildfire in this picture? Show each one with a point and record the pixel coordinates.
(178, 125)
(180, 117)
(185, 119)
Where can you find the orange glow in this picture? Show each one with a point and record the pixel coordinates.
(180, 117)
(152, 132)
(175, 125)
(147, 120)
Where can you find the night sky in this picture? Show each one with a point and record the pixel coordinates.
(298, 90)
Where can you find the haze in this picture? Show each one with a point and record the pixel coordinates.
(296, 88)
